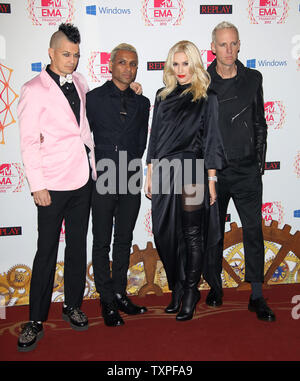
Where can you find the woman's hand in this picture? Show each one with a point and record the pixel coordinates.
(212, 192)
(136, 87)
(212, 179)
(148, 182)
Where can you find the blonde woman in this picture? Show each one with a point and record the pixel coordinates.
(184, 152)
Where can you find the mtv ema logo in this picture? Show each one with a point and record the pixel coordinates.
(51, 12)
(162, 12)
(98, 68)
(11, 177)
(7, 98)
(267, 11)
(275, 114)
(272, 211)
(297, 165)
(207, 57)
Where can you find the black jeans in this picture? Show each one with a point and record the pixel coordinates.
(74, 207)
(119, 212)
(242, 182)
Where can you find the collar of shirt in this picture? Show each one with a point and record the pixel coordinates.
(55, 77)
(117, 92)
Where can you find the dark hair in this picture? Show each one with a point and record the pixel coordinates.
(71, 32)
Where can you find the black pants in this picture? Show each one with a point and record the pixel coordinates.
(120, 211)
(241, 182)
(74, 207)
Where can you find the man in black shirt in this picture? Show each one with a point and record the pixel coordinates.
(244, 132)
(58, 155)
(119, 122)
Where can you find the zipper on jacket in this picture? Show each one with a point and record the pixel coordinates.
(228, 99)
(234, 117)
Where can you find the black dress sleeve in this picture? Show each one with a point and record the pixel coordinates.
(154, 128)
(214, 155)
(144, 127)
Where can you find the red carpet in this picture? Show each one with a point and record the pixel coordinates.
(228, 333)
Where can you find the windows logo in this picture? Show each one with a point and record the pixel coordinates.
(36, 66)
(91, 10)
(297, 213)
(251, 63)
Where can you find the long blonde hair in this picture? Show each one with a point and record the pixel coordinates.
(200, 77)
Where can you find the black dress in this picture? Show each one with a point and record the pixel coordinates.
(182, 129)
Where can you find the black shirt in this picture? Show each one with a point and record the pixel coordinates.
(70, 92)
(117, 96)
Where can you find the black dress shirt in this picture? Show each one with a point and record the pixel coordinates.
(118, 97)
(70, 92)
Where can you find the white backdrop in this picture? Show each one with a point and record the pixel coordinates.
(270, 42)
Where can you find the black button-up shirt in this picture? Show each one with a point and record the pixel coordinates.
(128, 94)
(70, 92)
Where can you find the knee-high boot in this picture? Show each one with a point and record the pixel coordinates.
(195, 247)
(175, 303)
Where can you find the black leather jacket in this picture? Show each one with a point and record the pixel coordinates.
(241, 114)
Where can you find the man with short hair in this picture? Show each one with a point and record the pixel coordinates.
(244, 131)
(58, 156)
(119, 122)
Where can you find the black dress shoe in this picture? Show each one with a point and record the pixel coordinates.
(261, 308)
(214, 299)
(77, 319)
(111, 315)
(31, 333)
(125, 304)
(175, 303)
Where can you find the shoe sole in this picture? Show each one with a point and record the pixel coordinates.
(132, 313)
(172, 311)
(214, 305)
(31, 347)
(73, 326)
(115, 325)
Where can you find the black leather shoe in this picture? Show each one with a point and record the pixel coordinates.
(77, 319)
(263, 312)
(125, 304)
(213, 299)
(175, 303)
(111, 315)
(31, 333)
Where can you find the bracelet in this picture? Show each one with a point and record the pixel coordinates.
(213, 178)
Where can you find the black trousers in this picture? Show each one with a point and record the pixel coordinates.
(120, 212)
(74, 207)
(242, 182)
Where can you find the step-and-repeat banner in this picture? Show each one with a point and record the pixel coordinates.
(270, 43)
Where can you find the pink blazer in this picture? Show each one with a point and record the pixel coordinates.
(60, 162)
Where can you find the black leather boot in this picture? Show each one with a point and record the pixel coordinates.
(190, 299)
(175, 303)
(194, 244)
